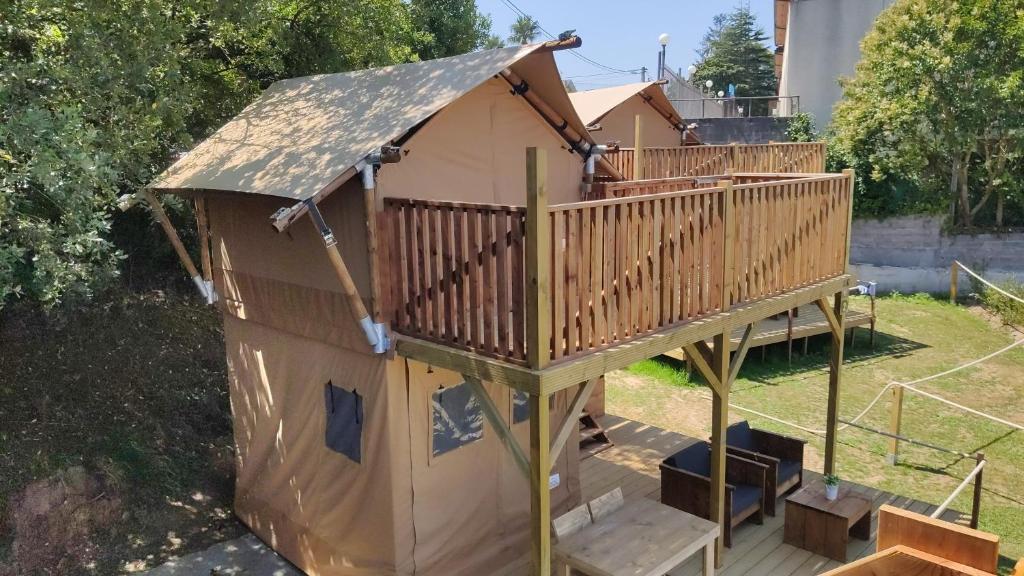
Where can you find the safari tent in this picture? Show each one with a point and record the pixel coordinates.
(611, 115)
(352, 460)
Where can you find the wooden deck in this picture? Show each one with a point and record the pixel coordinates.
(632, 464)
(809, 322)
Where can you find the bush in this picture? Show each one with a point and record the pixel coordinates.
(1010, 310)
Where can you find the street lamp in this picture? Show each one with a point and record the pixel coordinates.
(691, 70)
(663, 40)
(709, 84)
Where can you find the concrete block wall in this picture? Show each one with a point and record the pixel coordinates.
(912, 254)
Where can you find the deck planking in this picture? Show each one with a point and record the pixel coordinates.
(632, 464)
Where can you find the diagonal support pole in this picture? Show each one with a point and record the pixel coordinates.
(499, 425)
(702, 357)
(741, 352)
(572, 418)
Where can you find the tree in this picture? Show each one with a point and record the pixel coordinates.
(734, 51)
(935, 100)
(524, 30)
(450, 27)
(493, 41)
(98, 96)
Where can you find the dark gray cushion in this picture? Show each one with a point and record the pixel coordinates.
(739, 436)
(744, 496)
(695, 458)
(788, 469)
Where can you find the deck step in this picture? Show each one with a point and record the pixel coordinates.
(593, 438)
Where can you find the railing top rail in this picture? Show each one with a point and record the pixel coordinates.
(653, 181)
(725, 99)
(454, 204)
(709, 146)
(801, 180)
(634, 199)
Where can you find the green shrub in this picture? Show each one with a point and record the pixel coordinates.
(1010, 310)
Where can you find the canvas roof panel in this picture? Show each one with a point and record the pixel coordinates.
(592, 105)
(303, 133)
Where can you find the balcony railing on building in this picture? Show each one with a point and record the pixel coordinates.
(737, 107)
(662, 254)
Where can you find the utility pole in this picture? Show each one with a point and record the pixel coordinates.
(643, 73)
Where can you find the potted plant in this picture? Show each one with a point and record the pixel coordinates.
(831, 486)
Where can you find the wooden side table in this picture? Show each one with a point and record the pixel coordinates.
(824, 526)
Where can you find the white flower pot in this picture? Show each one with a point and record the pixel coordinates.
(831, 492)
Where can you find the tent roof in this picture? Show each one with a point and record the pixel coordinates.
(592, 105)
(303, 133)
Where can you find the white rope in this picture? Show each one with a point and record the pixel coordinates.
(938, 511)
(908, 386)
(991, 285)
(965, 408)
(963, 366)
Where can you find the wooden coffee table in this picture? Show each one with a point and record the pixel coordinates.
(824, 526)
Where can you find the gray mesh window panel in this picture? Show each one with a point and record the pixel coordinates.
(344, 432)
(457, 418)
(521, 406)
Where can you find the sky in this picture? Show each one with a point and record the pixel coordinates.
(622, 35)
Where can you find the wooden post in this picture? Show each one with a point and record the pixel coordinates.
(734, 157)
(370, 209)
(835, 367)
(954, 280)
(728, 244)
(895, 422)
(719, 423)
(203, 226)
(849, 173)
(638, 149)
(538, 260)
(976, 504)
(540, 492)
(172, 235)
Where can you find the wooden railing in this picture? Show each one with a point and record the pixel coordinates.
(803, 157)
(455, 274)
(620, 268)
(788, 234)
(629, 266)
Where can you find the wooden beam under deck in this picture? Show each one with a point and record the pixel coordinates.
(566, 374)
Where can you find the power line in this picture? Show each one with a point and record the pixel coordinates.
(511, 6)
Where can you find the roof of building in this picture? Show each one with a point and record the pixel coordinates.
(592, 105)
(302, 134)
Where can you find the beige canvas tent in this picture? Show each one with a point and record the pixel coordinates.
(614, 111)
(350, 460)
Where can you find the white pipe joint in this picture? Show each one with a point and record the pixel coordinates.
(367, 172)
(376, 334)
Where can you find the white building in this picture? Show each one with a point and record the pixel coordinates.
(818, 42)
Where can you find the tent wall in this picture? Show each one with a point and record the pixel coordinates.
(475, 151)
(618, 125)
(288, 332)
(324, 512)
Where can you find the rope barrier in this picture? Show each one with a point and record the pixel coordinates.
(909, 386)
(989, 284)
(942, 508)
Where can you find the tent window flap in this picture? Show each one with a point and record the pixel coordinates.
(457, 418)
(344, 421)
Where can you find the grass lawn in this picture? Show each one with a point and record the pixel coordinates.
(917, 336)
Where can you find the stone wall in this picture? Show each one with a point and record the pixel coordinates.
(912, 254)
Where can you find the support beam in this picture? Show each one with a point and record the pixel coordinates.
(741, 352)
(538, 260)
(719, 423)
(499, 424)
(376, 334)
(703, 359)
(205, 256)
(172, 236)
(835, 367)
(370, 209)
(895, 423)
(540, 492)
(571, 423)
(834, 322)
